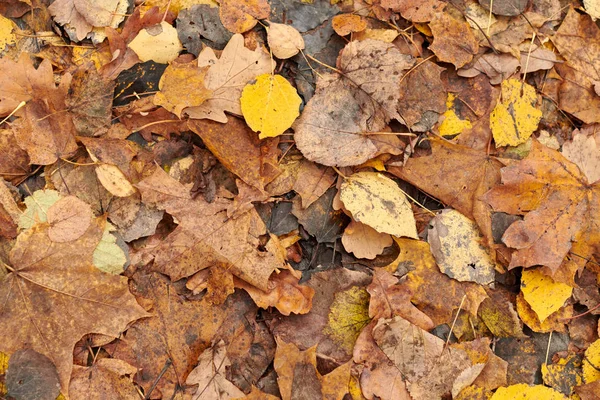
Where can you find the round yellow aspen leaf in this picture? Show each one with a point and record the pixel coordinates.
(284, 40)
(158, 43)
(377, 201)
(523, 391)
(543, 294)
(270, 105)
(515, 118)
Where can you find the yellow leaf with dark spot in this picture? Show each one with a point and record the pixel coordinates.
(349, 313)
(452, 124)
(515, 118)
(591, 363)
(270, 105)
(377, 201)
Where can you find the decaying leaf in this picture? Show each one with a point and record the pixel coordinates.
(298, 376)
(377, 201)
(364, 241)
(198, 241)
(453, 40)
(209, 375)
(338, 136)
(80, 298)
(558, 220)
(270, 105)
(226, 77)
(284, 40)
(239, 16)
(457, 247)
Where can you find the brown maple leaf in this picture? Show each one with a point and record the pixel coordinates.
(458, 176)
(53, 296)
(45, 129)
(561, 208)
(206, 236)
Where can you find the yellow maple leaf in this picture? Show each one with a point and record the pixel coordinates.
(543, 294)
(515, 118)
(270, 105)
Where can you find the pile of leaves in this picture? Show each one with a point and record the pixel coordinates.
(253, 199)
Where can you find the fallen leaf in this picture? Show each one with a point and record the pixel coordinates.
(270, 105)
(457, 247)
(158, 43)
(226, 77)
(106, 378)
(312, 181)
(364, 241)
(81, 299)
(37, 206)
(108, 256)
(209, 375)
(453, 40)
(458, 176)
(527, 392)
(556, 221)
(543, 294)
(504, 7)
(321, 220)
(199, 240)
(345, 24)
(298, 376)
(201, 21)
(563, 374)
(239, 16)
(590, 363)
(284, 40)
(338, 136)
(239, 150)
(377, 201)
(555, 322)
(583, 151)
(69, 218)
(388, 299)
(515, 118)
(427, 365)
(425, 280)
(284, 293)
(31, 375)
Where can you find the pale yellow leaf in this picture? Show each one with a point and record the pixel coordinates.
(591, 362)
(158, 43)
(523, 391)
(284, 40)
(113, 180)
(364, 241)
(377, 201)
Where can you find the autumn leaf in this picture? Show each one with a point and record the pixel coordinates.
(158, 43)
(107, 378)
(338, 136)
(456, 245)
(284, 40)
(80, 298)
(458, 176)
(515, 118)
(364, 241)
(198, 242)
(344, 24)
(453, 40)
(543, 294)
(270, 105)
(241, 16)
(377, 201)
(527, 392)
(226, 77)
(298, 376)
(209, 375)
(557, 221)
